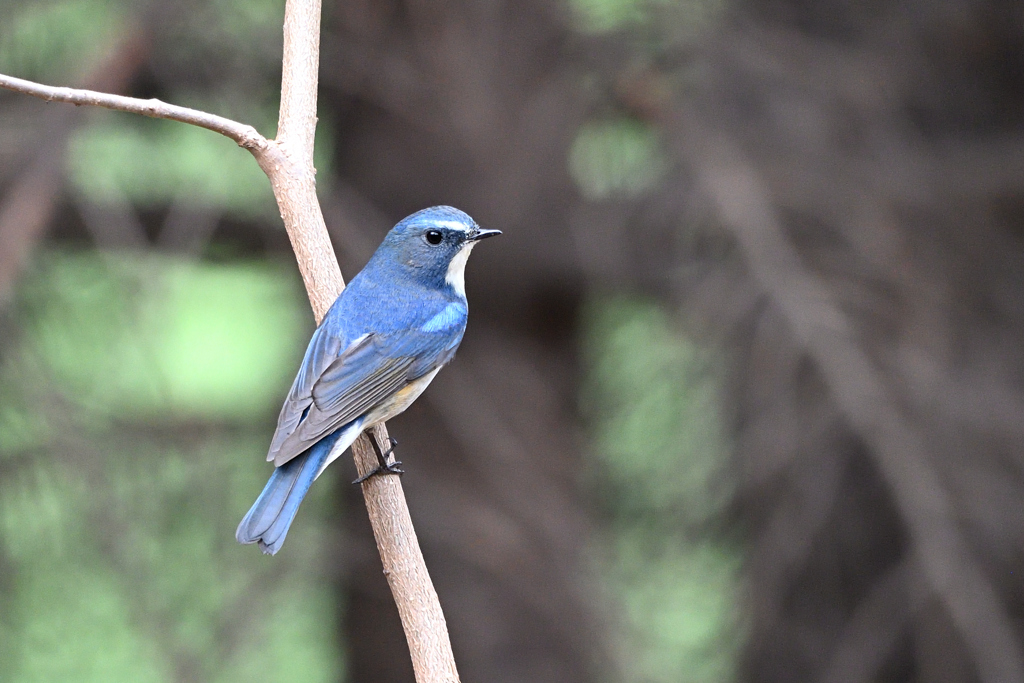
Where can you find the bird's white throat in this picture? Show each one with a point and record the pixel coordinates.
(456, 275)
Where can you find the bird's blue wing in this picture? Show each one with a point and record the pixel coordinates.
(361, 378)
(323, 349)
(337, 384)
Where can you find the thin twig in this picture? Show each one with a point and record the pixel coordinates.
(246, 136)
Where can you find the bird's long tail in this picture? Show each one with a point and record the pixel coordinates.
(269, 518)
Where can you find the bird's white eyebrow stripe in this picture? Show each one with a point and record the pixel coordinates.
(453, 225)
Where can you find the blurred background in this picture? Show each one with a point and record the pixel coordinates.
(742, 397)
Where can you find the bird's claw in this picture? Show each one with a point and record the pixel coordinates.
(383, 466)
(390, 468)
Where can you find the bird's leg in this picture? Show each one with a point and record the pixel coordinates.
(383, 466)
(383, 457)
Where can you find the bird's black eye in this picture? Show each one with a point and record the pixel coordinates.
(434, 236)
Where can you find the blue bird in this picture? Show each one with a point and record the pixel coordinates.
(384, 339)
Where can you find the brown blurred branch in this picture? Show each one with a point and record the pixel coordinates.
(873, 630)
(113, 223)
(871, 408)
(288, 163)
(26, 209)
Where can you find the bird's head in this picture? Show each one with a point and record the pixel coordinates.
(434, 244)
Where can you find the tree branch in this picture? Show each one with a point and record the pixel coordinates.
(246, 136)
(873, 630)
(288, 163)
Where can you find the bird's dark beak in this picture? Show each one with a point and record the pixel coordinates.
(483, 234)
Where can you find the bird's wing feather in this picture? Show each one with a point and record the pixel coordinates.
(365, 374)
(319, 355)
(348, 388)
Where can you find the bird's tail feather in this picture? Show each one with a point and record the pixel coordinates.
(269, 518)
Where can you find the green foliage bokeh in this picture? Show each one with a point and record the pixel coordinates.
(137, 405)
(659, 471)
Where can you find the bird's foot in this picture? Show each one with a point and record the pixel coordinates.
(390, 468)
(383, 466)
